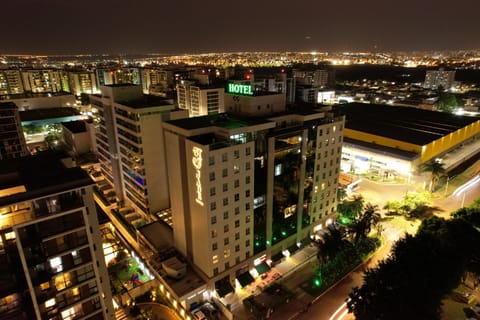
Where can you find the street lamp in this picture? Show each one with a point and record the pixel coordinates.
(463, 188)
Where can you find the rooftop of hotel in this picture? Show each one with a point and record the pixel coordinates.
(37, 176)
(222, 120)
(411, 125)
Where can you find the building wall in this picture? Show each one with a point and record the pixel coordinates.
(383, 141)
(260, 105)
(62, 100)
(222, 223)
(79, 143)
(439, 146)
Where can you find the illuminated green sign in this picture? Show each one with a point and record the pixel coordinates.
(240, 89)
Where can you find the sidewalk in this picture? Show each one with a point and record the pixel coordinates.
(293, 271)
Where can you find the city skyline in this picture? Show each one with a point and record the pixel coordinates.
(57, 27)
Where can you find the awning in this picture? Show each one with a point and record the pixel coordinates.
(223, 287)
(245, 279)
(292, 249)
(305, 241)
(262, 267)
(277, 257)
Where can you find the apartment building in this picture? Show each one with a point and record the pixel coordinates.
(200, 99)
(52, 262)
(130, 145)
(12, 140)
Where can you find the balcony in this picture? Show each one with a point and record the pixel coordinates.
(28, 211)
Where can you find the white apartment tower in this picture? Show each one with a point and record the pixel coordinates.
(200, 99)
(439, 78)
(130, 145)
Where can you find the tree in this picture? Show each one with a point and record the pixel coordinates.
(436, 170)
(447, 102)
(419, 273)
(363, 223)
(333, 242)
(352, 208)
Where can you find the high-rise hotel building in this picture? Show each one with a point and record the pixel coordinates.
(51, 258)
(250, 188)
(130, 144)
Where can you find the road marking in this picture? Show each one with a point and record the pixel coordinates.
(332, 317)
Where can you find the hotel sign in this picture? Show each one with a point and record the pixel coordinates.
(197, 164)
(240, 89)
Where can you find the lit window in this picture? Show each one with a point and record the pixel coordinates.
(56, 264)
(215, 259)
(49, 303)
(226, 253)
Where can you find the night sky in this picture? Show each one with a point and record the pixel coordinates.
(196, 26)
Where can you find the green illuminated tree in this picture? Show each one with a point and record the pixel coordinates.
(447, 102)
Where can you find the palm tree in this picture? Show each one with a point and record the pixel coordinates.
(364, 222)
(436, 170)
(333, 242)
(352, 208)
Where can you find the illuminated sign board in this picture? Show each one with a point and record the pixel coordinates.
(240, 89)
(197, 164)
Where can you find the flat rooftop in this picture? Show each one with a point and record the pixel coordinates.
(75, 126)
(146, 101)
(221, 120)
(411, 125)
(48, 113)
(38, 175)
